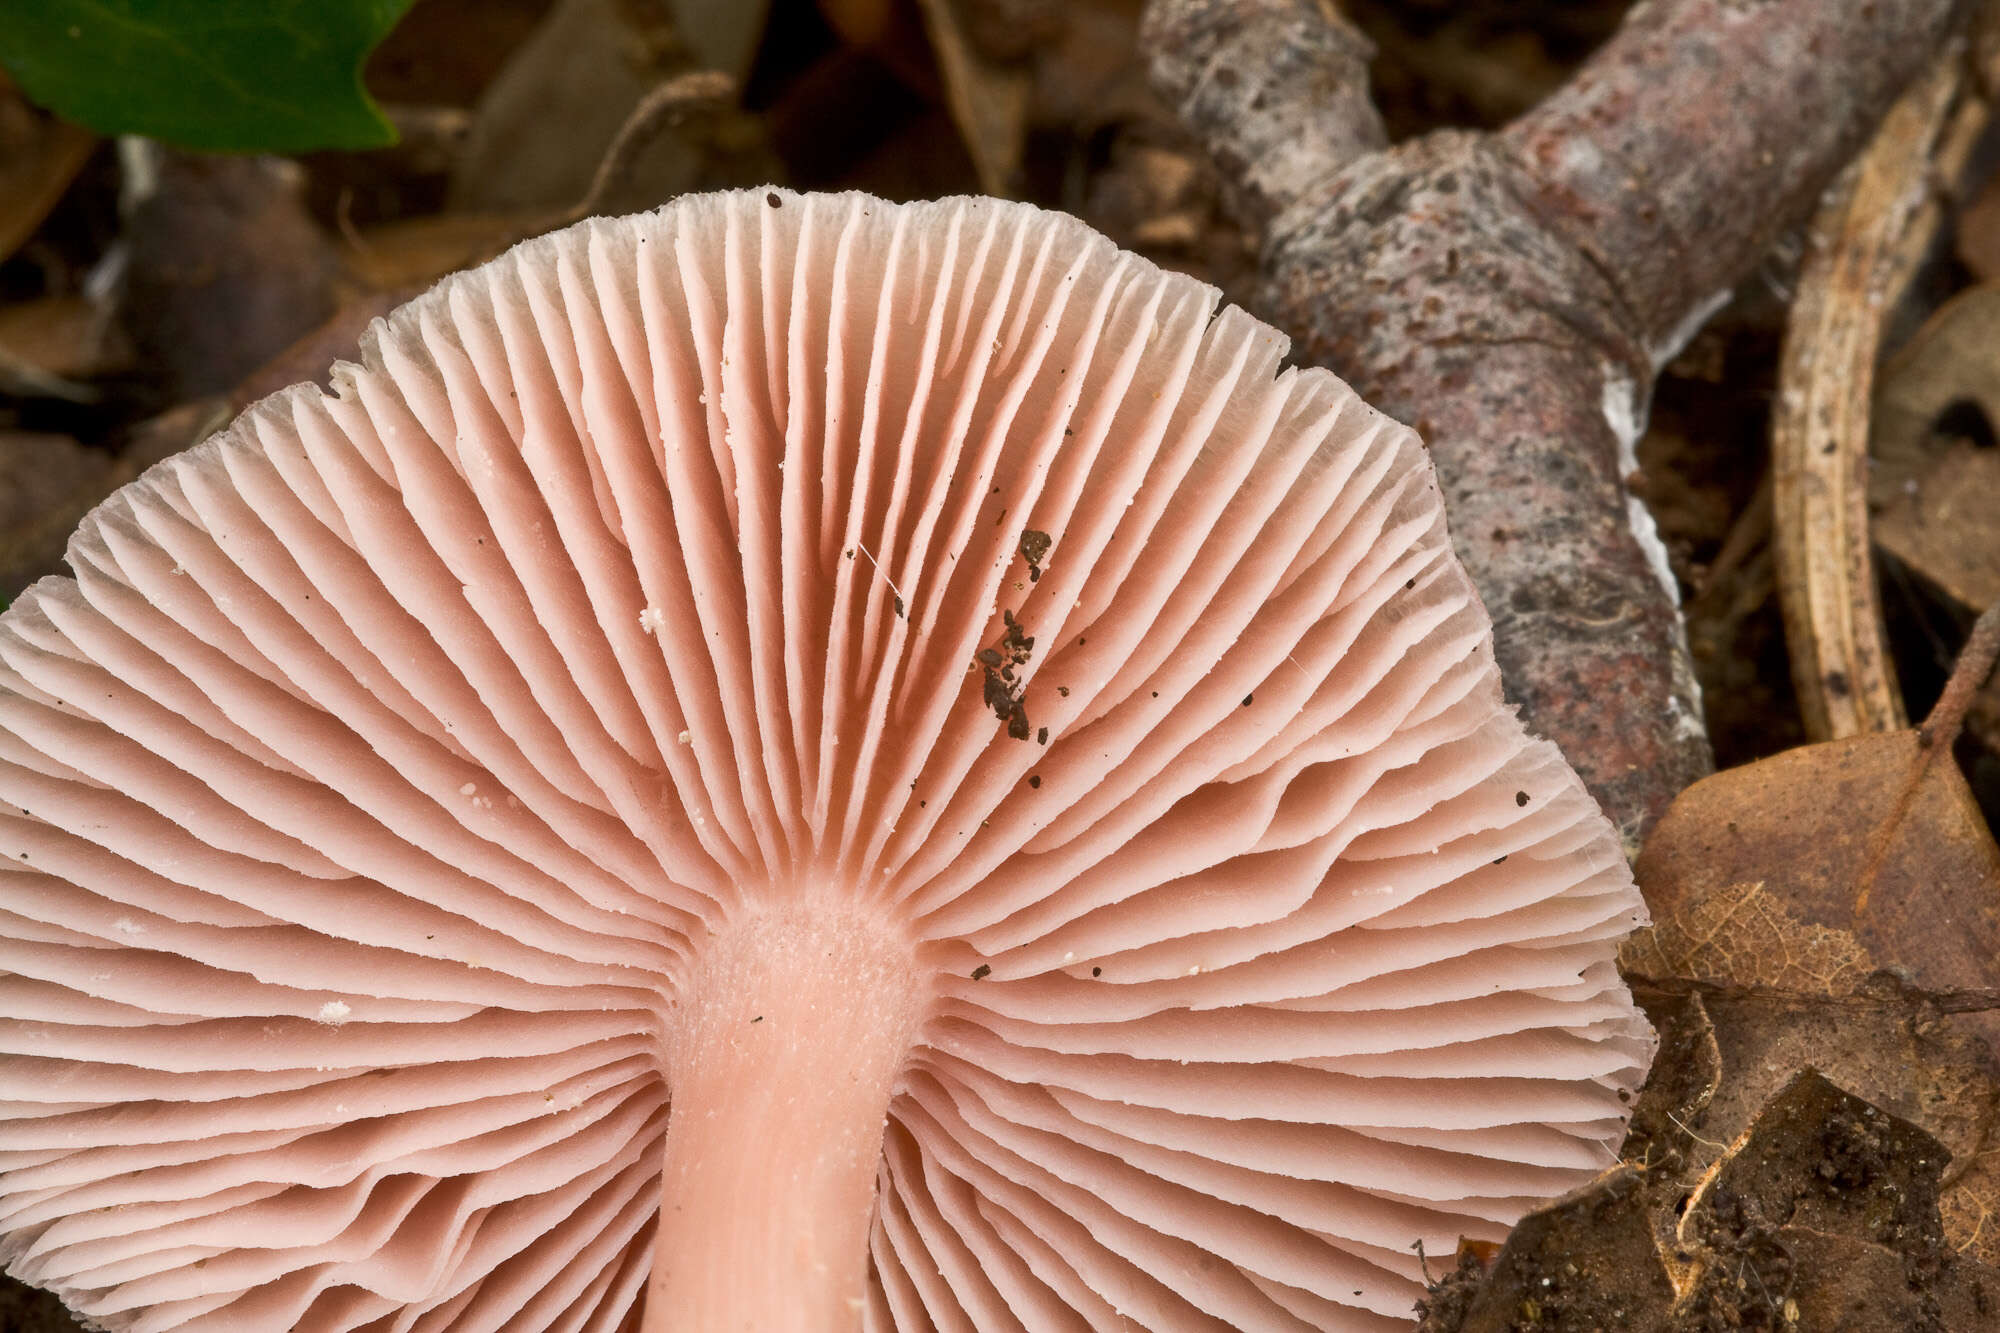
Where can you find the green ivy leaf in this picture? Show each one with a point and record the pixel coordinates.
(278, 76)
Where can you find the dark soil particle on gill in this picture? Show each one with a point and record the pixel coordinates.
(1034, 546)
(1003, 690)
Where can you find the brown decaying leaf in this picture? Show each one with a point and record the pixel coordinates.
(39, 157)
(61, 336)
(1588, 1260)
(1838, 906)
(1686, 1075)
(1953, 358)
(1933, 494)
(1977, 237)
(1945, 525)
(39, 474)
(1822, 1215)
(313, 356)
(543, 124)
(1823, 1185)
(1755, 874)
(47, 349)
(416, 252)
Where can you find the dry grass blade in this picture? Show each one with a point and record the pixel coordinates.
(1869, 238)
(1867, 241)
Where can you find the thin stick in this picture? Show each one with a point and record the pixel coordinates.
(1935, 737)
(1975, 663)
(702, 88)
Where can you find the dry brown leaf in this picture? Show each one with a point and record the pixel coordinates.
(547, 118)
(40, 473)
(1933, 494)
(859, 22)
(1741, 935)
(722, 37)
(1945, 525)
(1822, 1188)
(416, 252)
(1755, 873)
(313, 355)
(1904, 1056)
(1822, 1215)
(1588, 1260)
(1953, 358)
(1838, 906)
(39, 157)
(1977, 239)
(49, 482)
(63, 336)
(1687, 1073)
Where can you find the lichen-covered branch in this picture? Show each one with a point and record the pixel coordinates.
(1512, 295)
(1706, 128)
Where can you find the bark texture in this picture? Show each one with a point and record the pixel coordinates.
(1511, 295)
(1276, 90)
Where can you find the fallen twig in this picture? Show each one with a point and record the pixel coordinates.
(696, 90)
(1512, 295)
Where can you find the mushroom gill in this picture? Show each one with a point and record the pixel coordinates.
(854, 765)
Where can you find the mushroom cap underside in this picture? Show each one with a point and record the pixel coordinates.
(370, 795)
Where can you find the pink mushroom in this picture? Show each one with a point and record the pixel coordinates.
(790, 763)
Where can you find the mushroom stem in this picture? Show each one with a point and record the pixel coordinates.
(792, 1034)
